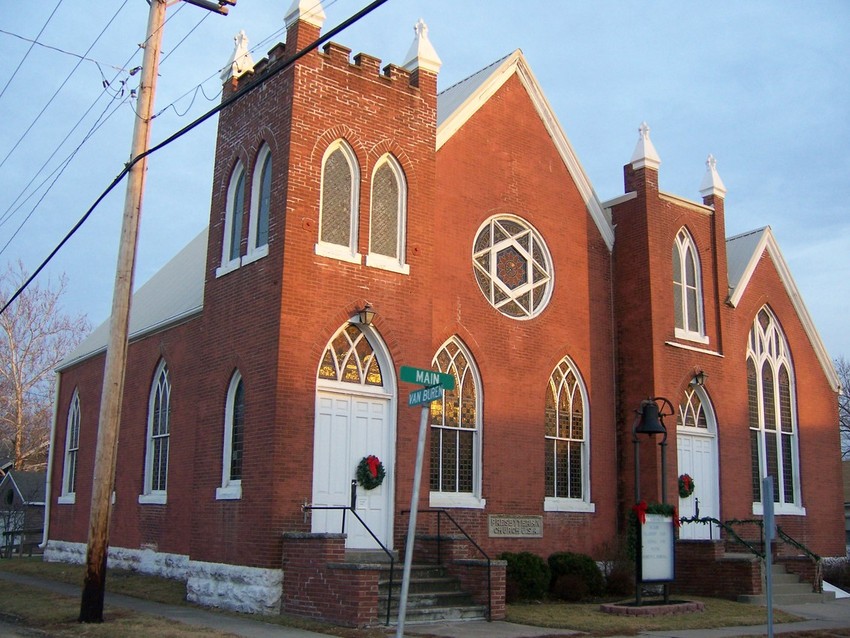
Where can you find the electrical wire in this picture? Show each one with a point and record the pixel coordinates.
(26, 55)
(57, 49)
(192, 125)
(61, 86)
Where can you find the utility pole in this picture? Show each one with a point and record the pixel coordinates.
(91, 606)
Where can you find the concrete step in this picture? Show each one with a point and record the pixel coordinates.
(441, 614)
(789, 599)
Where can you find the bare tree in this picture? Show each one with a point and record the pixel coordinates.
(842, 367)
(35, 335)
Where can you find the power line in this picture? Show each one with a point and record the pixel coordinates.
(192, 125)
(61, 86)
(53, 48)
(26, 55)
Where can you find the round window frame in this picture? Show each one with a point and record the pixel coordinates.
(512, 295)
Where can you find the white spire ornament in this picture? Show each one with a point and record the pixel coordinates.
(645, 154)
(241, 61)
(422, 54)
(711, 183)
(309, 11)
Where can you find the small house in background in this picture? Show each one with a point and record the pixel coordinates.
(21, 511)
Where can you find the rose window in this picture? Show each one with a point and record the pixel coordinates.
(512, 267)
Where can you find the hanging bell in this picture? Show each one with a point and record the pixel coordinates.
(650, 423)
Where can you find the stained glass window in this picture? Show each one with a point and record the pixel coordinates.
(72, 446)
(338, 217)
(231, 248)
(565, 427)
(691, 413)
(262, 199)
(772, 410)
(687, 290)
(159, 432)
(455, 425)
(512, 266)
(350, 358)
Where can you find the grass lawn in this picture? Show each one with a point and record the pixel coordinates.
(57, 615)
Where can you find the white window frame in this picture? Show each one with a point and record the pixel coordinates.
(474, 499)
(228, 264)
(231, 489)
(162, 380)
(386, 262)
(495, 236)
(256, 251)
(337, 251)
(583, 504)
(686, 249)
(770, 345)
(72, 448)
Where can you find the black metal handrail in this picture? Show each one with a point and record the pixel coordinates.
(440, 512)
(351, 508)
(727, 527)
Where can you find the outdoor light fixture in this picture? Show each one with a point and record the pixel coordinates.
(699, 379)
(366, 315)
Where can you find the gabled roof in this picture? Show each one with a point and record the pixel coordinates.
(30, 486)
(743, 253)
(457, 104)
(173, 294)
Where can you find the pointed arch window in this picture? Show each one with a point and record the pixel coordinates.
(455, 475)
(158, 438)
(231, 243)
(687, 289)
(234, 435)
(388, 218)
(567, 438)
(72, 447)
(691, 412)
(772, 415)
(338, 205)
(261, 196)
(350, 358)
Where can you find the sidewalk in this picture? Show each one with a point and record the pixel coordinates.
(819, 617)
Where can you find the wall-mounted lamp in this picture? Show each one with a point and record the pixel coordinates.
(699, 379)
(366, 315)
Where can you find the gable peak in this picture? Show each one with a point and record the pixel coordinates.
(645, 154)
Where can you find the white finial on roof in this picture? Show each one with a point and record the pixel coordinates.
(711, 182)
(422, 54)
(241, 61)
(645, 153)
(310, 11)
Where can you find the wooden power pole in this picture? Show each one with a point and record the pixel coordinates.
(91, 607)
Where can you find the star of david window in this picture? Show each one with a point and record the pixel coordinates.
(512, 267)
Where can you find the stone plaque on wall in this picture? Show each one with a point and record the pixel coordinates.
(509, 526)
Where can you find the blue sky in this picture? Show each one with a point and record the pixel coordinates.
(763, 86)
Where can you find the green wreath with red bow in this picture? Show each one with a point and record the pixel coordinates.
(686, 485)
(370, 472)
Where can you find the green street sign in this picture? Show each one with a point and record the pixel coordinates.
(425, 395)
(427, 377)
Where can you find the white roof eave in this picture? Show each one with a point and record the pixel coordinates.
(516, 64)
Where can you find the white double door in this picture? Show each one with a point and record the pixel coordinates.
(697, 454)
(349, 427)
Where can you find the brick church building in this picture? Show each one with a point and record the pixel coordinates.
(361, 221)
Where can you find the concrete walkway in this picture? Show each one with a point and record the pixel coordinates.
(819, 617)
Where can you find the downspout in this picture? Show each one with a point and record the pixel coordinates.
(47, 497)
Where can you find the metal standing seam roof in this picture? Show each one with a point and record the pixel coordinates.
(739, 253)
(174, 293)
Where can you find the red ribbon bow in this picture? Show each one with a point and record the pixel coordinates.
(640, 510)
(373, 463)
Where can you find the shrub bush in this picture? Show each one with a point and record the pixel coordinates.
(527, 576)
(567, 567)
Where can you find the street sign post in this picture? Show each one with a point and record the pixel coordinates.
(425, 395)
(435, 383)
(427, 377)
